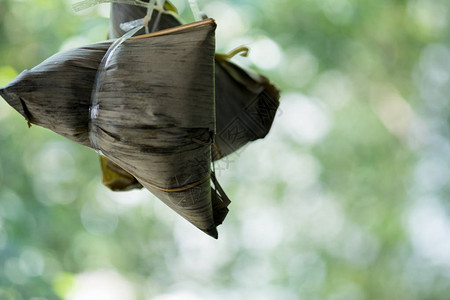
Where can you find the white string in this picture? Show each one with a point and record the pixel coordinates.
(82, 5)
(146, 20)
(94, 109)
(148, 16)
(127, 26)
(160, 9)
(195, 10)
(150, 5)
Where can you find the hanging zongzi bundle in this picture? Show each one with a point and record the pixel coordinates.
(153, 112)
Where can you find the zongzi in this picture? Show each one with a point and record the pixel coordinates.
(154, 111)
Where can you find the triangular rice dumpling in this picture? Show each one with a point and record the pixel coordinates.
(155, 116)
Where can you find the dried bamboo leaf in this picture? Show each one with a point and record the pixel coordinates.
(247, 103)
(56, 94)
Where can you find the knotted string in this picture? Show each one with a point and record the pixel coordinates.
(85, 4)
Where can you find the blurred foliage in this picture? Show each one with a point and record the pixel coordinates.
(347, 198)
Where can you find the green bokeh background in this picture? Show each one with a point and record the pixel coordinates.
(347, 198)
